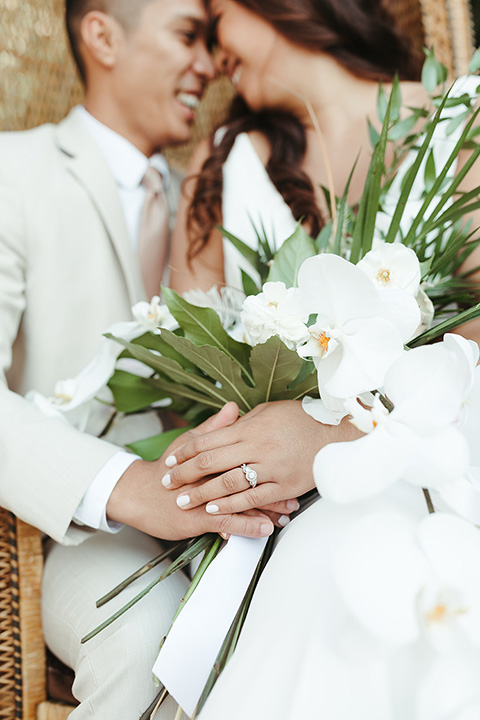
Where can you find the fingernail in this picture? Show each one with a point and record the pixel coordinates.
(166, 480)
(225, 536)
(265, 529)
(171, 461)
(183, 500)
(293, 505)
(283, 520)
(211, 508)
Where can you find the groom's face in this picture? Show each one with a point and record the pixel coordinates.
(162, 66)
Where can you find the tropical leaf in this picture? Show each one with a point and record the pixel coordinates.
(154, 341)
(174, 380)
(152, 448)
(297, 248)
(248, 253)
(203, 327)
(219, 367)
(369, 205)
(274, 367)
(249, 285)
(132, 393)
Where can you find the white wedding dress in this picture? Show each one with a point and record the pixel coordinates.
(302, 654)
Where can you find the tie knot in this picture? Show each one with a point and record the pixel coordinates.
(152, 180)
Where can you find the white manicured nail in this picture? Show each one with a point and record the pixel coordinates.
(211, 508)
(166, 480)
(293, 505)
(283, 520)
(265, 529)
(183, 500)
(171, 461)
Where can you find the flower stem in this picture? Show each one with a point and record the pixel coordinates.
(155, 704)
(428, 499)
(201, 543)
(183, 544)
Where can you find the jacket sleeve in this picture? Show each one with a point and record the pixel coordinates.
(45, 464)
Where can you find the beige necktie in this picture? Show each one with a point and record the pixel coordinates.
(153, 237)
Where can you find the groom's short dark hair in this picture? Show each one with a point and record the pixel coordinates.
(126, 12)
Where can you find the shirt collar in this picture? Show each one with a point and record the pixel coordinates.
(126, 162)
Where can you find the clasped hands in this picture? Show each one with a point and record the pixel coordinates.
(198, 485)
(277, 440)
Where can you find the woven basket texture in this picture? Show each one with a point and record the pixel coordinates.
(10, 678)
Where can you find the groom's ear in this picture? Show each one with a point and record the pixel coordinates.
(100, 38)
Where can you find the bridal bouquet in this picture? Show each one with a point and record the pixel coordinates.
(338, 322)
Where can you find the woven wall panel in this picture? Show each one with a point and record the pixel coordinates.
(37, 79)
(10, 681)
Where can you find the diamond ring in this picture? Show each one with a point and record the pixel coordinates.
(250, 475)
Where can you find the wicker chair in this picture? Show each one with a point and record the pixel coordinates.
(38, 84)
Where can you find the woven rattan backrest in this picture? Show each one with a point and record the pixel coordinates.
(38, 81)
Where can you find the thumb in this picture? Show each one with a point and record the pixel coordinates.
(223, 418)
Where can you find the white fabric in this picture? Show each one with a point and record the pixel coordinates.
(291, 660)
(189, 653)
(250, 202)
(92, 509)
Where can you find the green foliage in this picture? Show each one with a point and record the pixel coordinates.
(286, 264)
(152, 448)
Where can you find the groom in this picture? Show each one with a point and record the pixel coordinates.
(72, 226)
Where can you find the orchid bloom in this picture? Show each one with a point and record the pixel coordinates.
(415, 587)
(149, 317)
(357, 335)
(73, 398)
(420, 440)
(392, 266)
(275, 311)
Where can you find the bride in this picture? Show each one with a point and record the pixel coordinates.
(286, 59)
(301, 653)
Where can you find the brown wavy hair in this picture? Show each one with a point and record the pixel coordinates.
(362, 37)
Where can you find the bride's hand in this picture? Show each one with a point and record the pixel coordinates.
(278, 440)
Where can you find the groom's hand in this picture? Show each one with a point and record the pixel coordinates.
(140, 500)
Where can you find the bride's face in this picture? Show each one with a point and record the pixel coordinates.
(249, 52)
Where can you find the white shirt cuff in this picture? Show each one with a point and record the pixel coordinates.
(92, 511)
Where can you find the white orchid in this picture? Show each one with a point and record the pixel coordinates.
(392, 266)
(73, 398)
(275, 311)
(420, 440)
(356, 336)
(149, 317)
(415, 587)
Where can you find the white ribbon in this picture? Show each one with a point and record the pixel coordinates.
(192, 645)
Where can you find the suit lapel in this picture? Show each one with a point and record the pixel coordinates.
(86, 163)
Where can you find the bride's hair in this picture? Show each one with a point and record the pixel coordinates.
(362, 37)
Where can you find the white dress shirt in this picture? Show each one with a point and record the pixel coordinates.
(128, 166)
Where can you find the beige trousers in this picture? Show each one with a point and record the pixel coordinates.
(113, 678)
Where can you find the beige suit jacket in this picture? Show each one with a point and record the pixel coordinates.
(67, 272)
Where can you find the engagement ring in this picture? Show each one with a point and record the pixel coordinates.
(250, 475)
